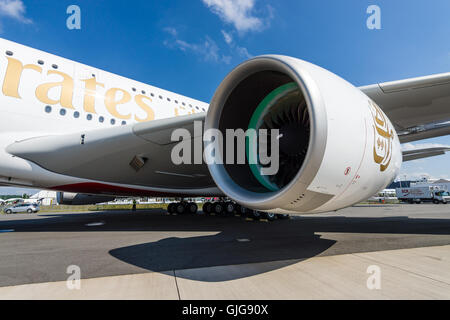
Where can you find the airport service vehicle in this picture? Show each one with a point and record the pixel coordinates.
(79, 130)
(21, 208)
(421, 194)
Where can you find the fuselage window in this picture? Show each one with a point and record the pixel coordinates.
(62, 112)
(76, 114)
(101, 119)
(89, 117)
(160, 97)
(40, 62)
(134, 89)
(168, 99)
(54, 66)
(113, 121)
(143, 92)
(124, 123)
(48, 109)
(152, 94)
(9, 53)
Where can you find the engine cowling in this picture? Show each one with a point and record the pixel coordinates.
(336, 146)
(75, 199)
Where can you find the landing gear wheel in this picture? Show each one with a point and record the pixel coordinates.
(229, 207)
(192, 208)
(218, 208)
(8, 211)
(282, 216)
(30, 211)
(242, 211)
(255, 215)
(179, 208)
(207, 207)
(435, 201)
(270, 216)
(170, 208)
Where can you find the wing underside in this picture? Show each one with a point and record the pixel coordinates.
(419, 107)
(138, 154)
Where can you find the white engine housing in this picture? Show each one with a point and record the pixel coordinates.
(353, 150)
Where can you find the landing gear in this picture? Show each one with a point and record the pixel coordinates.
(192, 208)
(207, 207)
(269, 216)
(170, 208)
(255, 214)
(182, 207)
(223, 207)
(230, 207)
(218, 208)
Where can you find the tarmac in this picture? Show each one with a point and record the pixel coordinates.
(362, 252)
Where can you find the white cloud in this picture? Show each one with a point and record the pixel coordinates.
(14, 9)
(207, 49)
(239, 13)
(171, 31)
(228, 37)
(243, 52)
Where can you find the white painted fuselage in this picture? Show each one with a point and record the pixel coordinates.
(43, 94)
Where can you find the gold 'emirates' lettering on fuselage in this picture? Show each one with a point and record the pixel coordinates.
(112, 99)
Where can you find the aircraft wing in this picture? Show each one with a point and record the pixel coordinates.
(419, 108)
(424, 153)
(135, 154)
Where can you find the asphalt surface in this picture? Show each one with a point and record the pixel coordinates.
(39, 248)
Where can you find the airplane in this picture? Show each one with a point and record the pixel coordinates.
(92, 135)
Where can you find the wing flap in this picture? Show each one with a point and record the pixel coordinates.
(424, 153)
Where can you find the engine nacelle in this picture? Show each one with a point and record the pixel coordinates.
(75, 199)
(336, 146)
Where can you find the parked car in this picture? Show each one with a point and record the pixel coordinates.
(23, 207)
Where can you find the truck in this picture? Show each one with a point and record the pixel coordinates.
(419, 194)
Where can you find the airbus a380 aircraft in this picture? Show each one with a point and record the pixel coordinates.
(91, 134)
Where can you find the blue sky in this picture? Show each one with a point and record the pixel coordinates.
(189, 46)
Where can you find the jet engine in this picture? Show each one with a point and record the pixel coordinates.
(75, 199)
(336, 146)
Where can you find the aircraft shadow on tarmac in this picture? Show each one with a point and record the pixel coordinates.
(271, 245)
